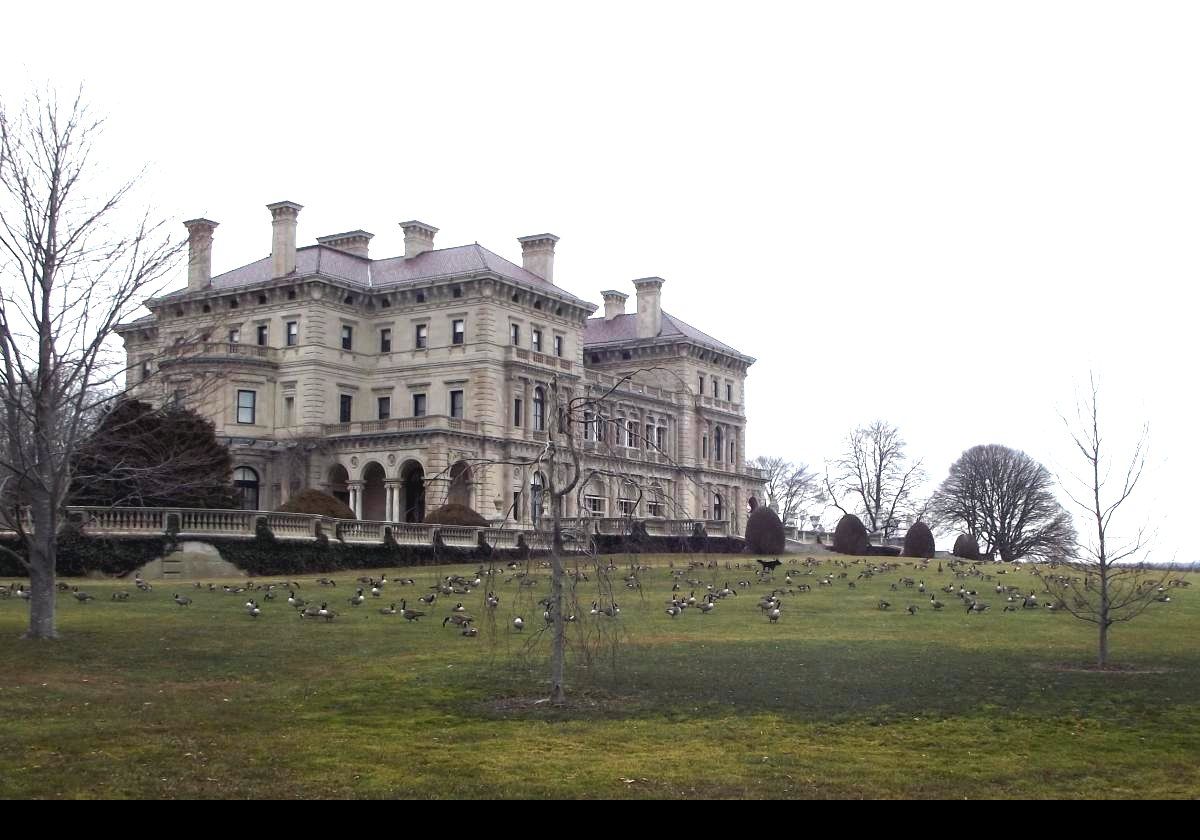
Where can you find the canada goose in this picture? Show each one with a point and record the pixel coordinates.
(492, 601)
(250, 604)
(459, 608)
(357, 599)
(911, 610)
(376, 591)
(310, 611)
(293, 601)
(936, 604)
(253, 611)
(883, 605)
(142, 585)
(270, 596)
(673, 611)
(183, 602)
(428, 599)
(388, 610)
(469, 631)
(975, 606)
(23, 593)
(326, 613)
(1163, 599)
(773, 615)
(120, 596)
(409, 615)
(518, 624)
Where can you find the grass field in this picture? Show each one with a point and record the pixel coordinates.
(145, 698)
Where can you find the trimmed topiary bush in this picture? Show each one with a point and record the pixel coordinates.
(454, 514)
(966, 547)
(850, 536)
(918, 542)
(317, 503)
(764, 532)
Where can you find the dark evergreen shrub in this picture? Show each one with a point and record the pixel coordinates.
(850, 536)
(764, 532)
(918, 542)
(454, 514)
(966, 547)
(317, 503)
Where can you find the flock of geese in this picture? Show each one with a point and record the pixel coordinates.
(697, 576)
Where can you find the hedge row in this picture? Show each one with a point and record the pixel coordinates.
(266, 555)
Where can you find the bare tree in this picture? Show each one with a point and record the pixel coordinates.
(875, 474)
(1006, 498)
(790, 487)
(73, 265)
(1111, 581)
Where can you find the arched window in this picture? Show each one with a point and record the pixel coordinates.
(718, 507)
(539, 410)
(245, 480)
(718, 444)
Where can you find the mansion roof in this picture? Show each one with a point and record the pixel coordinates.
(386, 273)
(623, 329)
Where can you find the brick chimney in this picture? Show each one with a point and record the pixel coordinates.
(283, 237)
(537, 254)
(418, 238)
(614, 304)
(200, 236)
(649, 306)
(356, 242)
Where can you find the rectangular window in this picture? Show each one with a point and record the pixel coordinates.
(245, 406)
(385, 341)
(147, 371)
(589, 426)
(514, 333)
(385, 408)
(660, 438)
(702, 384)
(517, 409)
(654, 508)
(596, 505)
(458, 331)
(235, 336)
(422, 338)
(345, 407)
(418, 405)
(714, 387)
(704, 447)
(456, 404)
(516, 508)
(648, 441)
(535, 340)
(558, 346)
(289, 411)
(347, 338)
(264, 332)
(293, 333)
(728, 392)
(631, 433)
(732, 445)
(178, 398)
(626, 507)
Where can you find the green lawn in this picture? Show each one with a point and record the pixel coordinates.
(839, 699)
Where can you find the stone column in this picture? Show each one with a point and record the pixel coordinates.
(356, 497)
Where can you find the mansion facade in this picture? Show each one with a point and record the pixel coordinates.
(399, 384)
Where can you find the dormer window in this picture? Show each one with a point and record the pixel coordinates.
(233, 303)
(349, 301)
(537, 304)
(385, 303)
(291, 294)
(205, 309)
(262, 299)
(420, 297)
(458, 291)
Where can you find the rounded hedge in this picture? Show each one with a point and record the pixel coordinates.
(454, 514)
(918, 542)
(316, 503)
(850, 536)
(966, 547)
(764, 532)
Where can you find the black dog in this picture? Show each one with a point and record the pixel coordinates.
(769, 565)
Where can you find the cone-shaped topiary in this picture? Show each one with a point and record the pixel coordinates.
(850, 536)
(317, 503)
(764, 532)
(918, 542)
(455, 514)
(966, 547)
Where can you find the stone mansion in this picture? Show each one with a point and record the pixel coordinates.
(397, 384)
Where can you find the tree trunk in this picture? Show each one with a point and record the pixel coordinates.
(1103, 643)
(558, 692)
(42, 551)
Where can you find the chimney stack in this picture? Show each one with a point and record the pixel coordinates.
(283, 237)
(537, 254)
(356, 242)
(614, 304)
(649, 306)
(418, 238)
(200, 236)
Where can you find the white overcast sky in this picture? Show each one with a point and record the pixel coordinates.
(938, 214)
